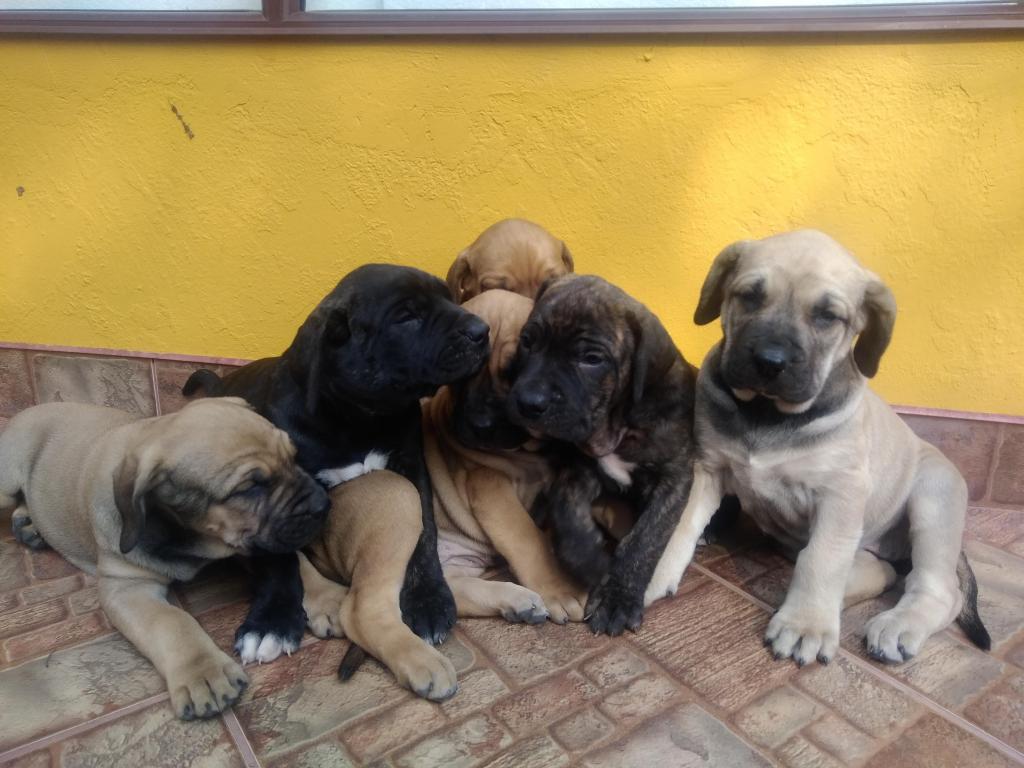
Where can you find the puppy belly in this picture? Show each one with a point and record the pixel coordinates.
(459, 552)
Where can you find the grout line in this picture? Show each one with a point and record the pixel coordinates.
(937, 709)
(238, 736)
(73, 730)
(156, 388)
(111, 352)
(990, 478)
(30, 369)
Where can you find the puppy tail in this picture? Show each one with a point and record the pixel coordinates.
(969, 619)
(352, 661)
(204, 379)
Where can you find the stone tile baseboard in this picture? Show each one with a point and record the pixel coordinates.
(988, 448)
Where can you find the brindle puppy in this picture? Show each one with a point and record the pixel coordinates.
(597, 369)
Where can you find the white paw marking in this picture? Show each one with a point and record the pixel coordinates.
(247, 647)
(617, 469)
(252, 648)
(338, 475)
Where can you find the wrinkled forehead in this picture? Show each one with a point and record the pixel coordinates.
(227, 432)
(805, 265)
(505, 314)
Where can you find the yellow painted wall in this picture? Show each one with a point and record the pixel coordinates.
(646, 154)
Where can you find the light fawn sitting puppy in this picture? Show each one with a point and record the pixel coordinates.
(144, 502)
(785, 420)
(515, 255)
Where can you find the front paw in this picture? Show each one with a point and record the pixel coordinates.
(264, 636)
(564, 604)
(323, 611)
(26, 533)
(613, 608)
(803, 634)
(206, 686)
(428, 609)
(896, 635)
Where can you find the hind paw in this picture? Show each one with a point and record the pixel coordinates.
(26, 533)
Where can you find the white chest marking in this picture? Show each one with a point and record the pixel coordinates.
(337, 476)
(617, 469)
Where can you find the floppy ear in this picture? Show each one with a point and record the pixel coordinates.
(712, 293)
(880, 309)
(325, 329)
(458, 277)
(653, 351)
(567, 261)
(133, 480)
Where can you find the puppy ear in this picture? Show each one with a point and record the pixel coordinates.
(133, 480)
(459, 275)
(879, 308)
(653, 351)
(324, 330)
(712, 293)
(570, 265)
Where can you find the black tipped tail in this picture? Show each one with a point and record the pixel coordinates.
(969, 619)
(352, 661)
(203, 380)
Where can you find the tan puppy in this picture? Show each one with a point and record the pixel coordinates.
(142, 503)
(513, 254)
(486, 473)
(371, 532)
(785, 420)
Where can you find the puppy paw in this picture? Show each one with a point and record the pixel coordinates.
(25, 532)
(428, 609)
(564, 604)
(895, 636)
(613, 608)
(803, 635)
(425, 671)
(323, 612)
(264, 636)
(206, 686)
(520, 605)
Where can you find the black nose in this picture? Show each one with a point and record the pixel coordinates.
(481, 421)
(475, 330)
(770, 360)
(532, 403)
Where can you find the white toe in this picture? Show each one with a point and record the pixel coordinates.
(247, 646)
(270, 648)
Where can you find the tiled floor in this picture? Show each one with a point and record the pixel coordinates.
(693, 687)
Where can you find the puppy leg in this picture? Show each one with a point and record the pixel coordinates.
(275, 622)
(931, 600)
(512, 532)
(869, 577)
(579, 543)
(705, 496)
(24, 531)
(806, 627)
(201, 679)
(374, 527)
(480, 598)
(322, 600)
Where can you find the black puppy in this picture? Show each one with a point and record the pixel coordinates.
(595, 368)
(347, 391)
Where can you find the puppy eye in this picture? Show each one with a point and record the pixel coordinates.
(526, 338)
(752, 298)
(254, 486)
(405, 315)
(591, 357)
(826, 317)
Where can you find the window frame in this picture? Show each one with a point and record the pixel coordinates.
(282, 18)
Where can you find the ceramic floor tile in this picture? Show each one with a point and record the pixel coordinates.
(153, 738)
(71, 686)
(123, 383)
(15, 383)
(171, 377)
(684, 736)
(935, 743)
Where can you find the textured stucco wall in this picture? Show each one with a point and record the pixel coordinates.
(646, 155)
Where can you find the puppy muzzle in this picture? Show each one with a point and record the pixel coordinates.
(297, 519)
